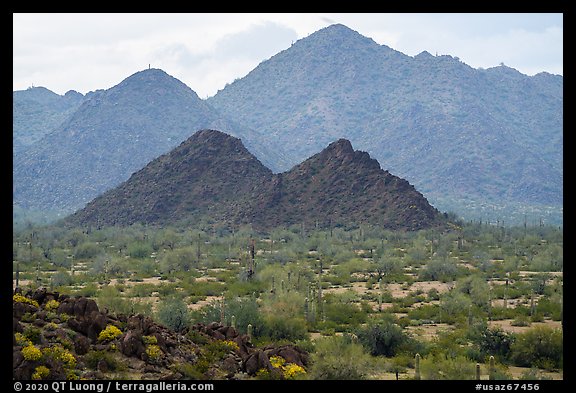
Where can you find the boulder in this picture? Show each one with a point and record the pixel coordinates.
(256, 361)
(81, 344)
(19, 309)
(131, 344)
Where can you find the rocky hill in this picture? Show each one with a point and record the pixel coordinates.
(464, 137)
(213, 177)
(114, 133)
(56, 337)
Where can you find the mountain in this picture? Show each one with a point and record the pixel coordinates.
(212, 177)
(111, 135)
(466, 138)
(211, 173)
(36, 111)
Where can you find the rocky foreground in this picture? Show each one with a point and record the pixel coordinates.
(58, 337)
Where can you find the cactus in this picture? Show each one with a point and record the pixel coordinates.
(477, 371)
(532, 307)
(249, 331)
(38, 279)
(492, 369)
(470, 319)
(417, 367)
(306, 310)
(380, 295)
(222, 314)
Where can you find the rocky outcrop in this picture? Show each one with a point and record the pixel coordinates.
(68, 339)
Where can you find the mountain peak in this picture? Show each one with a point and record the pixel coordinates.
(154, 77)
(341, 146)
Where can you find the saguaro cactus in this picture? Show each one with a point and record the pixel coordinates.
(233, 321)
(492, 370)
(379, 295)
(477, 371)
(417, 367)
(249, 331)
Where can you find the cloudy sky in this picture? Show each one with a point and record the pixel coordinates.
(85, 52)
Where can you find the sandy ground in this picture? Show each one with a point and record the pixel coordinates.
(428, 332)
(506, 325)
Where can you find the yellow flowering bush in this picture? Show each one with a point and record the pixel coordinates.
(110, 333)
(61, 354)
(22, 340)
(50, 326)
(31, 353)
(231, 345)
(292, 371)
(40, 372)
(289, 370)
(23, 299)
(277, 361)
(154, 352)
(149, 340)
(51, 305)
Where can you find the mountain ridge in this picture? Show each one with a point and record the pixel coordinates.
(425, 116)
(212, 177)
(112, 134)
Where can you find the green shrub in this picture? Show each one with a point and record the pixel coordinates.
(174, 313)
(338, 358)
(33, 334)
(92, 358)
(447, 368)
(87, 250)
(382, 338)
(279, 328)
(540, 347)
(139, 250)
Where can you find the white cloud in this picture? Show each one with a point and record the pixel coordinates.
(92, 51)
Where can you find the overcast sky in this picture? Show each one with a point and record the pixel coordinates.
(86, 52)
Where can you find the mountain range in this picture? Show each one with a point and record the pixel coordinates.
(112, 134)
(211, 177)
(469, 139)
(455, 132)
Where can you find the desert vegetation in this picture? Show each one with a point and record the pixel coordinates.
(367, 302)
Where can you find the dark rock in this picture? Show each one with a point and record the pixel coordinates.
(17, 358)
(83, 307)
(97, 324)
(19, 309)
(102, 366)
(39, 295)
(131, 344)
(39, 322)
(41, 314)
(16, 326)
(66, 307)
(231, 365)
(81, 344)
(256, 361)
